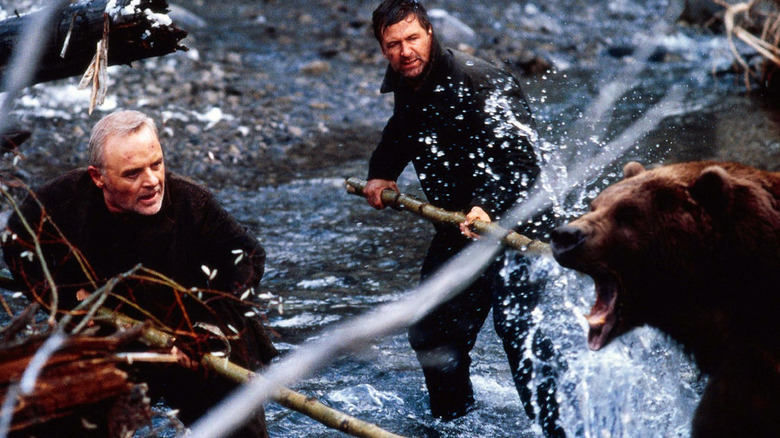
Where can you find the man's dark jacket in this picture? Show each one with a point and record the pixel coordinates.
(190, 231)
(468, 130)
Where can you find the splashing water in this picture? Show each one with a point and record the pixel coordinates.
(581, 387)
(639, 386)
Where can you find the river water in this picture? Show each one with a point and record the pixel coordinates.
(331, 257)
(347, 258)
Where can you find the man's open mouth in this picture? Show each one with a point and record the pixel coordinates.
(411, 63)
(149, 196)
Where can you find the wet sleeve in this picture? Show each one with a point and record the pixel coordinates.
(21, 258)
(505, 154)
(232, 250)
(239, 260)
(392, 154)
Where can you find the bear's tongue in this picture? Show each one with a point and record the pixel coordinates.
(603, 314)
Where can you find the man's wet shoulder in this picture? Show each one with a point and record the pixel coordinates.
(481, 71)
(184, 187)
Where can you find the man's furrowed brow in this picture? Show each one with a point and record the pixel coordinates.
(132, 171)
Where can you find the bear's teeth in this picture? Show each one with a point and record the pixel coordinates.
(596, 320)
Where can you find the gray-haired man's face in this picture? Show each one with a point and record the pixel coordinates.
(133, 173)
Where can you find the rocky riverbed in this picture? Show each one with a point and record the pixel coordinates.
(274, 90)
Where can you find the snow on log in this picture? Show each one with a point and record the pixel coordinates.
(137, 29)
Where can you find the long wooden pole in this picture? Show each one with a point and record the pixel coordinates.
(288, 398)
(395, 199)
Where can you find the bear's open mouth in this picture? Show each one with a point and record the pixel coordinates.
(604, 315)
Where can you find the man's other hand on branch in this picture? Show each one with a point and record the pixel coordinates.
(374, 189)
(476, 213)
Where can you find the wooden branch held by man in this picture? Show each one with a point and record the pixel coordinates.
(435, 214)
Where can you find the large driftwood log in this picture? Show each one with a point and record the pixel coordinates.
(135, 32)
(81, 379)
(428, 211)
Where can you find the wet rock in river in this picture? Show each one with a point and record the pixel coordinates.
(697, 12)
(451, 30)
(185, 18)
(316, 68)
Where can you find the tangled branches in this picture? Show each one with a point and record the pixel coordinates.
(757, 24)
(81, 373)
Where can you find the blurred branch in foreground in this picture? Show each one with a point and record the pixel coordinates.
(84, 378)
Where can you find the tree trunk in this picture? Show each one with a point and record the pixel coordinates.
(133, 35)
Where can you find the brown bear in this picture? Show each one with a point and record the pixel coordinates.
(692, 249)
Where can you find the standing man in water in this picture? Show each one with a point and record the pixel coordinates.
(122, 210)
(467, 128)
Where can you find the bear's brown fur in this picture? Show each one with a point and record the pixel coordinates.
(692, 249)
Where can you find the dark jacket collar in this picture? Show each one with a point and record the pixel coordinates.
(394, 82)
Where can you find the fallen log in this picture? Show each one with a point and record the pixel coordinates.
(288, 398)
(80, 383)
(137, 30)
(84, 377)
(428, 211)
(216, 363)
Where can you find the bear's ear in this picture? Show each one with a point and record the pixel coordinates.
(632, 168)
(713, 190)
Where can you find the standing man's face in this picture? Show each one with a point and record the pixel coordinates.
(133, 174)
(407, 45)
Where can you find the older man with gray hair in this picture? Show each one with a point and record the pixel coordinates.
(125, 209)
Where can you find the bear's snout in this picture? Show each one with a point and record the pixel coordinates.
(564, 241)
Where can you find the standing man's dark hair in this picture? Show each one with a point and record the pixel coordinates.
(467, 128)
(393, 11)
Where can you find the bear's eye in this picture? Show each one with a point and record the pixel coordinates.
(667, 199)
(627, 214)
